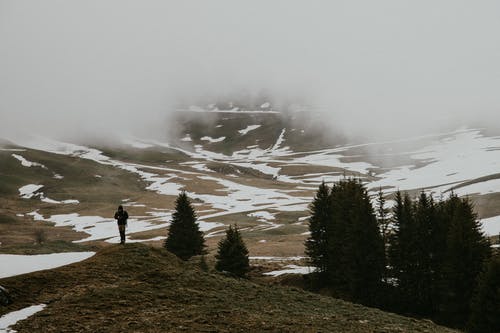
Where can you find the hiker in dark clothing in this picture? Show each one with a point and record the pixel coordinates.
(121, 217)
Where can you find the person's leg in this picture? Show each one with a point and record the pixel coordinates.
(121, 227)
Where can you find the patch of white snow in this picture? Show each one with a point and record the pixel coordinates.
(248, 129)
(11, 318)
(15, 264)
(28, 191)
(26, 163)
(212, 140)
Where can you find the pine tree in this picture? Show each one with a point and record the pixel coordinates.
(316, 245)
(423, 280)
(184, 236)
(466, 251)
(436, 254)
(404, 251)
(355, 247)
(232, 254)
(384, 225)
(437, 244)
(395, 250)
(485, 308)
(382, 218)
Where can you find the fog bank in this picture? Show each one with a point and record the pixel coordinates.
(371, 67)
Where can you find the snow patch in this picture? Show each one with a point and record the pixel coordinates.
(276, 259)
(212, 140)
(262, 215)
(11, 318)
(36, 216)
(15, 264)
(28, 191)
(207, 226)
(52, 201)
(26, 163)
(292, 269)
(200, 167)
(98, 227)
(280, 140)
(248, 129)
(491, 226)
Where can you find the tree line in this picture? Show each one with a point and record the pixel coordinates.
(424, 257)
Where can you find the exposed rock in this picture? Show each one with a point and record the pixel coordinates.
(4, 296)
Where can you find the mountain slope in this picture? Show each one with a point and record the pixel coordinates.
(258, 169)
(143, 289)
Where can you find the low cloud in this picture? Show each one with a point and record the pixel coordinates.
(380, 68)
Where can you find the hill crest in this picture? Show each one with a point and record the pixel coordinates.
(139, 288)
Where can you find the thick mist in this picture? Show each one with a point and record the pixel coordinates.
(380, 68)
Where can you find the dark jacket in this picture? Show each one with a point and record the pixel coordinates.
(121, 217)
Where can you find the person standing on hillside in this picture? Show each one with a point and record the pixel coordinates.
(121, 217)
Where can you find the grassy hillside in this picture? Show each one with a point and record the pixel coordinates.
(96, 195)
(136, 288)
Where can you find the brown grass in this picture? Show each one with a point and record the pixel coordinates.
(135, 288)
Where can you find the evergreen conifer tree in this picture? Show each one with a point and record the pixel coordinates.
(395, 255)
(436, 253)
(466, 251)
(404, 250)
(316, 245)
(356, 251)
(384, 224)
(485, 308)
(382, 218)
(184, 236)
(422, 280)
(232, 254)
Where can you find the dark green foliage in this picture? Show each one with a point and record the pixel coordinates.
(408, 255)
(184, 236)
(356, 260)
(485, 308)
(382, 218)
(316, 245)
(384, 225)
(467, 249)
(345, 241)
(232, 254)
(435, 251)
(436, 254)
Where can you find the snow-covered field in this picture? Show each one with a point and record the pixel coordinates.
(462, 156)
(444, 161)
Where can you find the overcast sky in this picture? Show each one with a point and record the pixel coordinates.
(95, 65)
